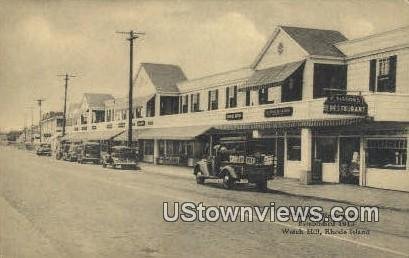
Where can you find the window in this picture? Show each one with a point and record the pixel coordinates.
(213, 99)
(60, 122)
(231, 97)
(150, 107)
(248, 97)
(195, 102)
(329, 80)
(294, 148)
(184, 104)
(148, 147)
(263, 96)
(382, 74)
(326, 149)
(124, 114)
(138, 112)
(387, 153)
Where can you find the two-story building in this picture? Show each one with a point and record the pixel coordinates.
(330, 109)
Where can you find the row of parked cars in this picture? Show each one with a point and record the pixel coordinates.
(91, 152)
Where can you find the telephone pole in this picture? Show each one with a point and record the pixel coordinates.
(66, 79)
(40, 101)
(132, 35)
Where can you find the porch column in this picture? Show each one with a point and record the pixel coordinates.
(155, 151)
(157, 105)
(306, 154)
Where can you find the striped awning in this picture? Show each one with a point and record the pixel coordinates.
(295, 124)
(270, 77)
(169, 133)
(92, 135)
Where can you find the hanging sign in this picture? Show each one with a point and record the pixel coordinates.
(346, 105)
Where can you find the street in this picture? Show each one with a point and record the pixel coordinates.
(51, 208)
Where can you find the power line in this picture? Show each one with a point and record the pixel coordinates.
(66, 79)
(132, 35)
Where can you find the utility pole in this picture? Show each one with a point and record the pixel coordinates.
(66, 78)
(40, 101)
(132, 36)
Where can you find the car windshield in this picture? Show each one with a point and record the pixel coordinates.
(92, 148)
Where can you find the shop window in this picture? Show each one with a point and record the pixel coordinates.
(231, 97)
(294, 148)
(213, 100)
(387, 153)
(195, 102)
(382, 74)
(161, 147)
(326, 149)
(148, 148)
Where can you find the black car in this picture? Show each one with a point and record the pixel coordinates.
(120, 157)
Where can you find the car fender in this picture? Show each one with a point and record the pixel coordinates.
(201, 165)
(230, 170)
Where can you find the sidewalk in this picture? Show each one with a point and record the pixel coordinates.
(347, 194)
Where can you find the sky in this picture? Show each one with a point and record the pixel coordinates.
(41, 39)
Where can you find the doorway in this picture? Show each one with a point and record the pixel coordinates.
(349, 160)
(279, 153)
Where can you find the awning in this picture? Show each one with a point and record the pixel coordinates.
(92, 135)
(169, 133)
(270, 77)
(295, 124)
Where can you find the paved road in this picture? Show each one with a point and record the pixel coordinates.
(52, 208)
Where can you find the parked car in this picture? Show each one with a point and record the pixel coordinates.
(235, 164)
(89, 152)
(120, 157)
(44, 149)
(70, 152)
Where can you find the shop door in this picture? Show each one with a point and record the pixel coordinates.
(280, 156)
(349, 160)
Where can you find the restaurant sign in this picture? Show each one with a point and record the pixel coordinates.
(140, 123)
(277, 112)
(234, 116)
(346, 105)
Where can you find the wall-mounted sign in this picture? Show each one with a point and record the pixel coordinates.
(109, 126)
(84, 128)
(234, 116)
(346, 105)
(121, 125)
(140, 123)
(150, 122)
(94, 127)
(276, 112)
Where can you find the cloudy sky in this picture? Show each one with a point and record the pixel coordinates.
(40, 39)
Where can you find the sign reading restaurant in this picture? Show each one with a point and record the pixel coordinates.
(277, 112)
(346, 105)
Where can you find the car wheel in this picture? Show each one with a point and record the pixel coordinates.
(199, 178)
(228, 181)
(262, 186)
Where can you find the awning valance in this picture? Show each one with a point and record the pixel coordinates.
(169, 133)
(295, 124)
(270, 77)
(92, 135)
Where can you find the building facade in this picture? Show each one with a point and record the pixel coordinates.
(330, 109)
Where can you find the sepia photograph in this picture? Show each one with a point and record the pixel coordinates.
(213, 128)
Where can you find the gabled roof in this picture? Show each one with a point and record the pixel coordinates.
(97, 100)
(316, 41)
(164, 76)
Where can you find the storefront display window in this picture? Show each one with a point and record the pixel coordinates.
(148, 147)
(326, 149)
(387, 153)
(294, 148)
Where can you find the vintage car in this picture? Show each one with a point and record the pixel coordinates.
(44, 149)
(70, 152)
(120, 157)
(89, 152)
(233, 163)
